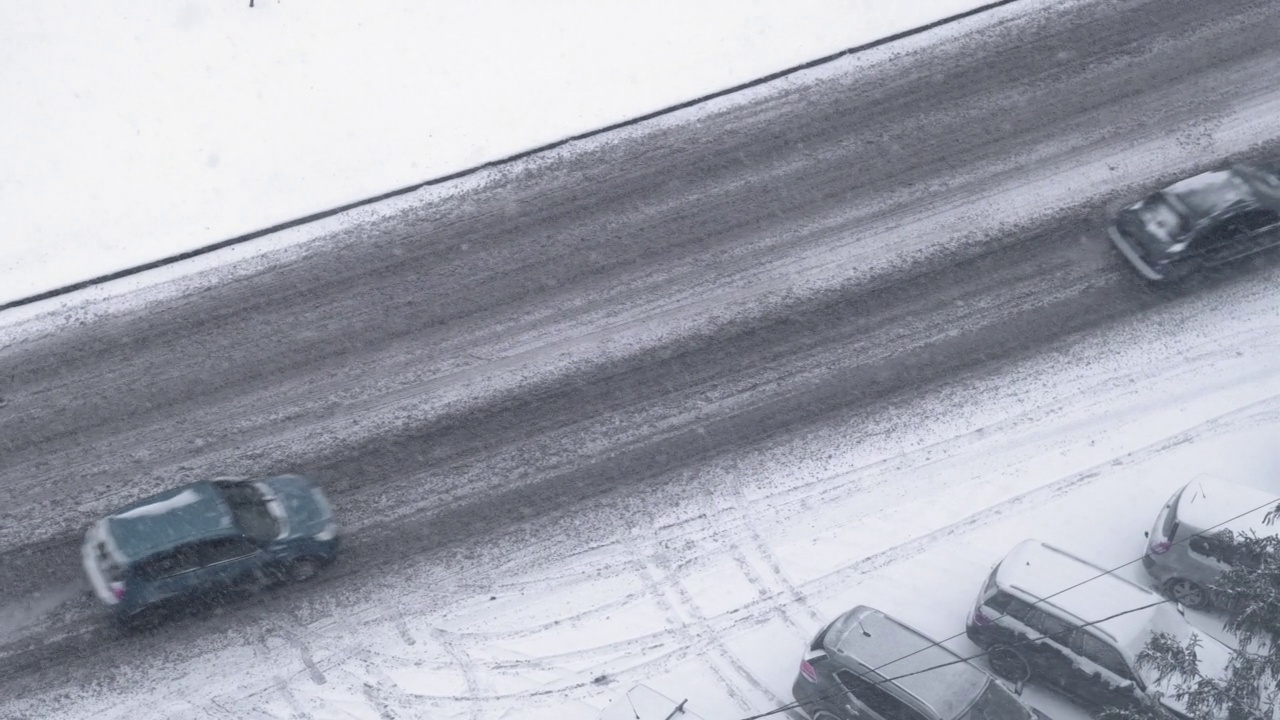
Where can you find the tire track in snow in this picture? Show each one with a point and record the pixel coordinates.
(282, 685)
(708, 527)
(654, 579)
(691, 635)
(373, 694)
(475, 689)
(743, 506)
(763, 591)
(402, 628)
(1264, 410)
(685, 641)
(781, 586)
(304, 652)
(660, 574)
(383, 693)
(237, 710)
(917, 457)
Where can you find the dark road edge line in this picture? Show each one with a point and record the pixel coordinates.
(65, 289)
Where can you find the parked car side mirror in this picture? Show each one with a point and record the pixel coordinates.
(1017, 687)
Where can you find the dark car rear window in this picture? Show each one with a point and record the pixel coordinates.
(999, 602)
(876, 697)
(1037, 619)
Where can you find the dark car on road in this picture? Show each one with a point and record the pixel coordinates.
(1202, 221)
(868, 666)
(207, 540)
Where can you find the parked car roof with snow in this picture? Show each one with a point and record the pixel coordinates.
(1079, 588)
(927, 670)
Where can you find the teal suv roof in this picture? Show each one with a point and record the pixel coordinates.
(169, 519)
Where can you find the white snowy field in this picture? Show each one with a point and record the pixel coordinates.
(135, 132)
(709, 589)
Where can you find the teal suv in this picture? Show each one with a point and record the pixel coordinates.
(207, 540)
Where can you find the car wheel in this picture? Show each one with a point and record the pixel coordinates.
(1190, 594)
(303, 569)
(1009, 664)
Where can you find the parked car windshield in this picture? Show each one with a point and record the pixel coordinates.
(252, 514)
(996, 703)
(1162, 221)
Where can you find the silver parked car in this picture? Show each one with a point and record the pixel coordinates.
(1192, 544)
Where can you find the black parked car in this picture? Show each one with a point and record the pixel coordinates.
(1205, 220)
(868, 666)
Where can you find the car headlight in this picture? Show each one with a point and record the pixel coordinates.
(329, 532)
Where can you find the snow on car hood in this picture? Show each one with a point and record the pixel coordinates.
(306, 508)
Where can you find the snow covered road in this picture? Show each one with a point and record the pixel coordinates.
(708, 586)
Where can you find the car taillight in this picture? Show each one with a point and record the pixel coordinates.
(806, 669)
(117, 589)
(980, 619)
(1161, 547)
